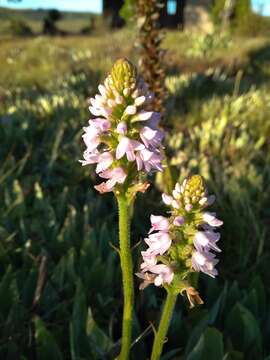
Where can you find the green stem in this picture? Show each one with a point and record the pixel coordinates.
(163, 325)
(127, 274)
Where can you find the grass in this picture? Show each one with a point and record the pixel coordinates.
(60, 293)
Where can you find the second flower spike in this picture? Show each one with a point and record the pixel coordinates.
(184, 242)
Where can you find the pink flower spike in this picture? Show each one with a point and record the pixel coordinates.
(104, 162)
(128, 146)
(167, 199)
(210, 219)
(159, 223)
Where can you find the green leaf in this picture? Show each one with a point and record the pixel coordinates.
(78, 322)
(96, 335)
(234, 355)
(243, 330)
(208, 319)
(196, 333)
(47, 347)
(171, 354)
(209, 346)
(258, 286)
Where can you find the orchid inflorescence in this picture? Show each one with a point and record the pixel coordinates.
(183, 242)
(123, 139)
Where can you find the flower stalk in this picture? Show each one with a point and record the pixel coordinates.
(127, 273)
(160, 336)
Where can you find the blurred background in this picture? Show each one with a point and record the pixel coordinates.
(60, 281)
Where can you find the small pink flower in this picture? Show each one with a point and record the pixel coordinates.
(149, 160)
(167, 199)
(115, 175)
(158, 243)
(175, 204)
(145, 115)
(128, 146)
(178, 221)
(210, 219)
(89, 158)
(164, 272)
(104, 162)
(131, 110)
(121, 128)
(159, 223)
(154, 120)
(101, 124)
(102, 90)
(149, 260)
(91, 139)
(188, 207)
(205, 262)
(151, 137)
(140, 100)
(207, 240)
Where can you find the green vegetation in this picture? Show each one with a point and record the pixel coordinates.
(60, 284)
(71, 21)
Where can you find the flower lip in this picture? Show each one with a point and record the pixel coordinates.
(210, 219)
(159, 223)
(128, 146)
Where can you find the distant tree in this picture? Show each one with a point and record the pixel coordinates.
(49, 26)
(54, 15)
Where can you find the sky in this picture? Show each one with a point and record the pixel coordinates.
(262, 6)
(67, 5)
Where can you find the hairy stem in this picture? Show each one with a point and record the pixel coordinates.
(127, 274)
(163, 326)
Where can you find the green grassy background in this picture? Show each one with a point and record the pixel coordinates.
(54, 226)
